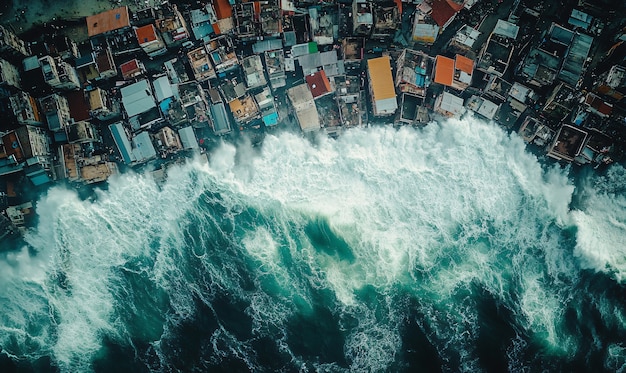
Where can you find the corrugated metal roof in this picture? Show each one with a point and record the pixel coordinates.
(444, 70)
(380, 78)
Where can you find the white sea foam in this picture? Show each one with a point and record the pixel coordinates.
(433, 213)
(602, 225)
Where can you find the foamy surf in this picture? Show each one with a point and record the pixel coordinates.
(448, 247)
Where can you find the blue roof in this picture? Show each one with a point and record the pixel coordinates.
(221, 124)
(121, 141)
(165, 105)
(270, 119)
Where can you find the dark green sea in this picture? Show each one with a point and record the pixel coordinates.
(449, 248)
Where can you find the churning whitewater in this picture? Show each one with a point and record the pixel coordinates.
(445, 248)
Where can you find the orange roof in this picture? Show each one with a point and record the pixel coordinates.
(464, 64)
(108, 21)
(146, 34)
(444, 70)
(380, 78)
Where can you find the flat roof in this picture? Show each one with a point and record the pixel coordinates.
(464, 64)
(444, 70)
(107, 21)
(137, 98)
(380, 78)
(146, 34)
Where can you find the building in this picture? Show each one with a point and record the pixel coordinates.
(351, 101)
(244, 109)
(387, 17)
(188, 138)
(253, 71)
(568, 143)
(137, 98)
(219, 115)
(322, 19)
(413, 72)
(171, 24)
(101, 105)
(275, 66)
(12, 48)
(222, 54)
(353, 50)
(204, 22)
(267, 107)
(304, 106)
(195, 104)
(136, 150)
(81, 132)
(443, 12)
(59, 74)
(455, 73)
(168, 141)
(25, 109)
(27, 149)
(319, 84)
(108, 22)
(381, 89)
(201, 64)
(425, 29)
(163, 89)
(150, 41)
(9, 77)
(495, 55)
(57, 112)
(78, 166)
(132, 69)
(362, 18)
(175, 69)
(449, 105)
(483, 107)
(465, 38)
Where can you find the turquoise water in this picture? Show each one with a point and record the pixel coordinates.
(448, 248)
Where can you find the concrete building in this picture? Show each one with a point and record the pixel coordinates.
(9, 77)
(413, 72)
(84, 168)
(351, 101)
(57, 112)
(59, 74)
(275, 66)
(201, 64)
(150, 41)
(26, 109)
(449, 105)
(27, 149)
(101, 105)
(381, 89)
(12, 48)
(304, 107)
(495, 55)
(253, 71)
(362, 18)
(267, 107)
(222, 54)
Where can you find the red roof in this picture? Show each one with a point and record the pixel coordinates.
(318, 83)
(146, 34)
(443, 11)
(129, 67)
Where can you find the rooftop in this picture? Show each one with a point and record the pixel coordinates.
(107, 21)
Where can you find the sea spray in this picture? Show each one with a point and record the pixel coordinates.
(341, 255)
